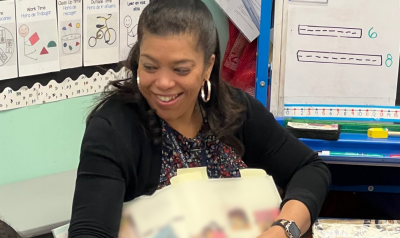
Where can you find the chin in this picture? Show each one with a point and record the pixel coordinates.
(166, 115)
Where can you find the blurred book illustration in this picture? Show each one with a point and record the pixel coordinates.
(197, 207)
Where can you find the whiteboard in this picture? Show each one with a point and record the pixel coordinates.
(342, 52)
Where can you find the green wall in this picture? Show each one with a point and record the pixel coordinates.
(42, 140)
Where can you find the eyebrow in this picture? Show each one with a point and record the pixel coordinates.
(182, 61)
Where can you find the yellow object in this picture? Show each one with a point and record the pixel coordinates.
(381, 133)
(183, 178)
(201, 170)
(377, 133)
(252, 172)
(189, 174)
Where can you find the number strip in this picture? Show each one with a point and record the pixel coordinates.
(343, 112)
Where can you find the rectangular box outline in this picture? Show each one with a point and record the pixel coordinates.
(338, 53)
(359, 36)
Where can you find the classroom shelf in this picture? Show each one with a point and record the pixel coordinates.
(357, 143)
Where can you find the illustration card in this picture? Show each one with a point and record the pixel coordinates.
(130, 12)
(145, 215)
(8, 48)
(101, 34)
(70, 33)
(37, 37)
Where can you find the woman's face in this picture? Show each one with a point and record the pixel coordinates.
(171, 71)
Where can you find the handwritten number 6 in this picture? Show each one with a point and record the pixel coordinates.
(389, 60)
(372, 34)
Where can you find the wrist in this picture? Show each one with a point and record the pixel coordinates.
(277, 231)
(289, 227)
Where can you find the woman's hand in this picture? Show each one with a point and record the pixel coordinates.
(274, 232)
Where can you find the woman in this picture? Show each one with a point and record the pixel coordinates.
(176, 112)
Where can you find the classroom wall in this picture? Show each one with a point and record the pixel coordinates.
(42, 140)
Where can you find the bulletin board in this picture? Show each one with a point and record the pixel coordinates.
(336, 59)
(55, 50)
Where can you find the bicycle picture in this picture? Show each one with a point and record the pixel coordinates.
(108, 34)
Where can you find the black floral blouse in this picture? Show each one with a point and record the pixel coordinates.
(221, 160)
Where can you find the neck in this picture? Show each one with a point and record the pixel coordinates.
(188, 124)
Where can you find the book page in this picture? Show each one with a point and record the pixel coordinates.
(159, 215)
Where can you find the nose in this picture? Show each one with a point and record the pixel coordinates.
(165, 81)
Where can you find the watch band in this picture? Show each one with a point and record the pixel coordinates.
(290, 227)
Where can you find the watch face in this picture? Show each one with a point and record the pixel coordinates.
(294, 230)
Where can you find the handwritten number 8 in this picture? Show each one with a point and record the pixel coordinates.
(371, 34)
(389, 60)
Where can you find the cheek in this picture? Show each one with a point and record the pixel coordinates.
(192, 86)
(145, 81)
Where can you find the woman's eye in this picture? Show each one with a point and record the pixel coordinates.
(182, 71)
(149, 68)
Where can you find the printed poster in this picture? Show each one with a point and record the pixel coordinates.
(101, 34)
(70, 33)
(8, 47)
(37, 37)
(130, 11)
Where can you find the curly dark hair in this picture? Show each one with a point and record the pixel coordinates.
(182, 17)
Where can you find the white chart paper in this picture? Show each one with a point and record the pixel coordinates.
(37, 37)
(70, 33)
(245, 14)
(8, 46)
(101, 28)
(130, 11)
(345, 52)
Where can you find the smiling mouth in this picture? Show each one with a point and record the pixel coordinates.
(168, 98)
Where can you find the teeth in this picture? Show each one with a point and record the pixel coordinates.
(167, 99)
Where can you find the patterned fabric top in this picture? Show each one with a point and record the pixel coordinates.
(222, 161)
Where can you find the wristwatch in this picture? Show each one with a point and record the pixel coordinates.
(291, 229)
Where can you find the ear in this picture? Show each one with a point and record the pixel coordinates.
(209, 66)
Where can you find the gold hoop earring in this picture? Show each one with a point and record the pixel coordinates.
(138, 82)
(203, 95)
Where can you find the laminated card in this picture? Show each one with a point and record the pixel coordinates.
(37, 37)
(70, 33)
(8, 49)
(101, 34)
(130, 11)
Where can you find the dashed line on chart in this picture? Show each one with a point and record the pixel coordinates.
(338, 58)
(329, 31)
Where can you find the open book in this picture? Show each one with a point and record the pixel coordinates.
(197, 207)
